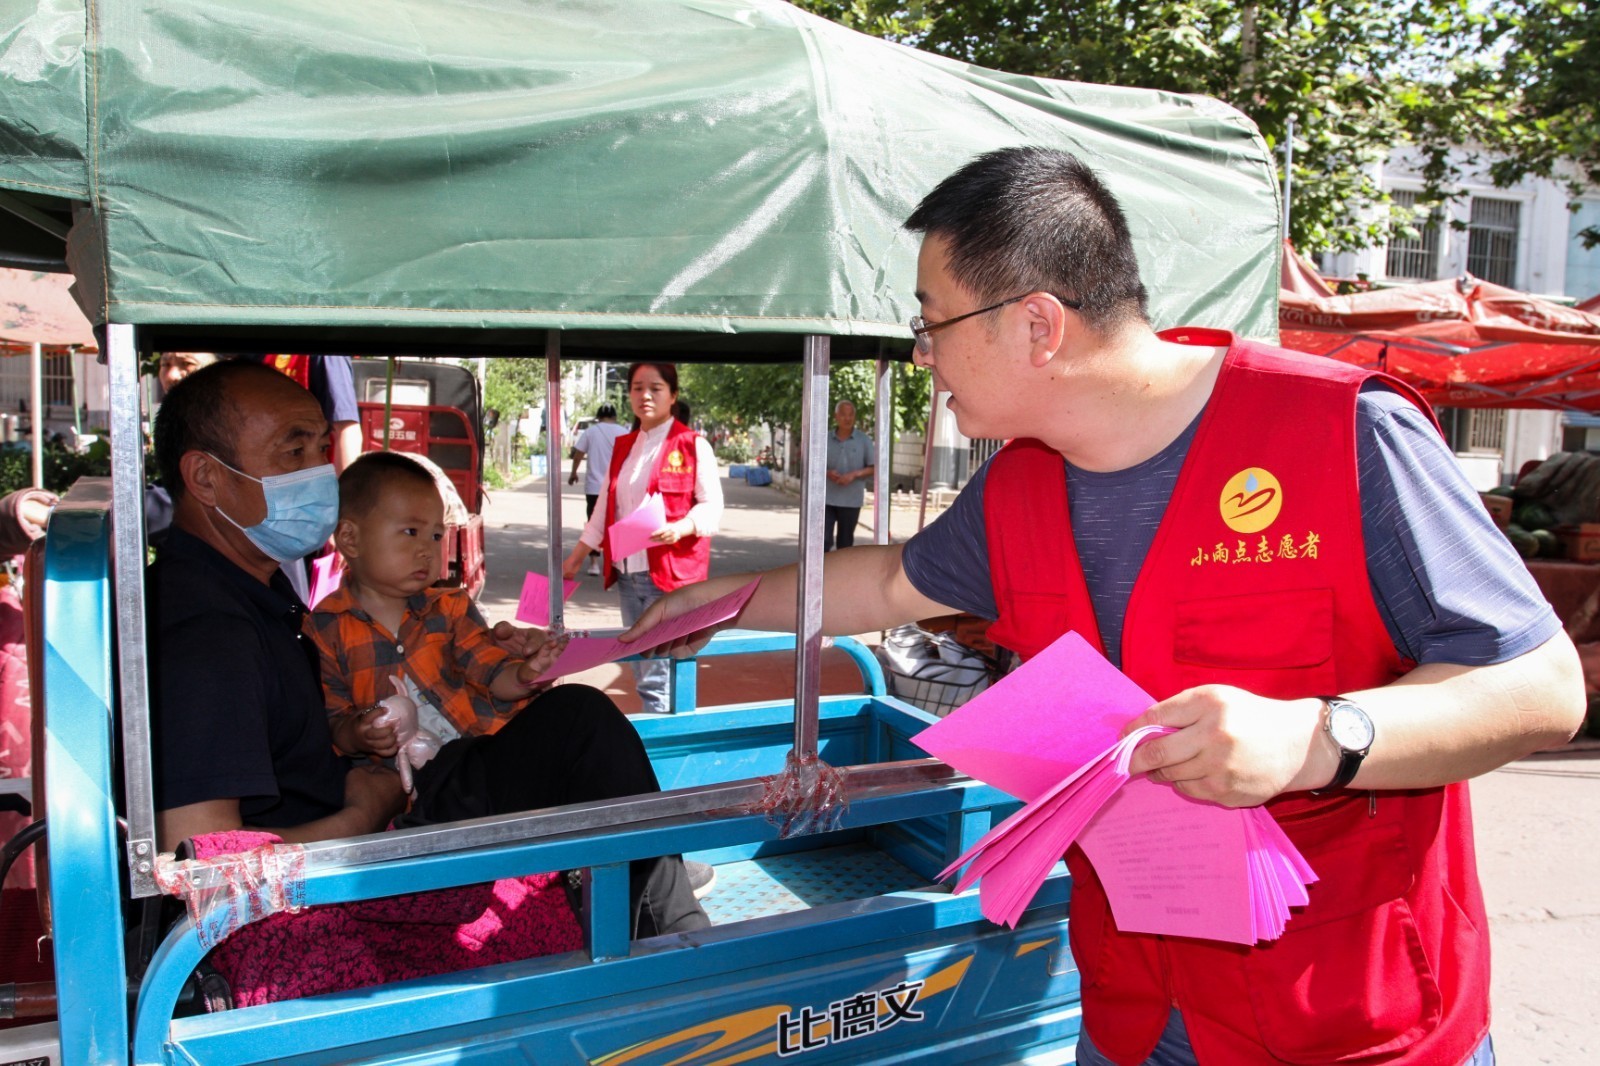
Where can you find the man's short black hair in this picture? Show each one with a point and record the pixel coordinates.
(199, 414)
(365, 480)
(607, 410)
(1030, 219)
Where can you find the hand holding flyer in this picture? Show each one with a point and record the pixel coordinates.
(533, 606)
(632, 534)
(583, 653)
(1048, 734)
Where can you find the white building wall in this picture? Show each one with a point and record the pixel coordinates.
(1546, 253)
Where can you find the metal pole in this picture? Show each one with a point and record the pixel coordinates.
(388, 400)
(927, 459)
(1288, 174)
(883, 428)
(36, 406)
(552, 484)
(127, 555)
(76, 367)
(808, 587)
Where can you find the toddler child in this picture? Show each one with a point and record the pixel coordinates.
(387, 619)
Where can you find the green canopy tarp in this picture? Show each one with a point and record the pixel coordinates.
(665, 166)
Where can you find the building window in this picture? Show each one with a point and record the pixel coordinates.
(1583, 264)
(1473, 431)
(1414, 258)
(56, 383)
(1492, 240)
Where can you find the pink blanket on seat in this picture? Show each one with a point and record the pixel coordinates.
(342, 946)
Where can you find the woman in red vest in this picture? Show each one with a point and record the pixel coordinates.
(661, 455)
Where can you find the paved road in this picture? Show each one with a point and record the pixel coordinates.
(1538, 827)
(1538, 820)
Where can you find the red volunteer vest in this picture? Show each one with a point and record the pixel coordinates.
(296, 367)
(671, 565)
(1257, 578)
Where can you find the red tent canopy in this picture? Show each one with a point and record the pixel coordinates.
(1461, 343)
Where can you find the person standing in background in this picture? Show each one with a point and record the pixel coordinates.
(660, 455)
(595, 444)
(175, 366)
(850, 463)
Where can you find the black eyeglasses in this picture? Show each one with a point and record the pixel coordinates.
(921, 327)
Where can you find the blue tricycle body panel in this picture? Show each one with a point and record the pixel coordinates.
(838, 946)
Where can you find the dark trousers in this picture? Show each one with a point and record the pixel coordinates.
(569, 745)
(590, 501)
(845, 518)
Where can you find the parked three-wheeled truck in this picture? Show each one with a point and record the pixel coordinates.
(675, 179)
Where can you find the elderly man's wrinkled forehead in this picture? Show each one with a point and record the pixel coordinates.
(268, 408)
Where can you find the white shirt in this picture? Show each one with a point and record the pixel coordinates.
(596, 442)
(633, 485)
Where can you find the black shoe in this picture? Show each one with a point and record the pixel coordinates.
(702, 877)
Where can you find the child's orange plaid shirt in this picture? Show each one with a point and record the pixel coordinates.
(443, 645)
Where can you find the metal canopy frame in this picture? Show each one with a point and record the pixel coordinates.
(128, 557)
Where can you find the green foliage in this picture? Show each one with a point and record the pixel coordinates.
(1359, 77)
(735, 449)
(744, 396)
(61, 466)
(1534, 99)
(512, 384)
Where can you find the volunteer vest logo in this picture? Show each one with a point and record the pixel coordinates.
(1251, 500)
(676, 463)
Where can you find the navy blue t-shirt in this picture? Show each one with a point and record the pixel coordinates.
(1447, 584)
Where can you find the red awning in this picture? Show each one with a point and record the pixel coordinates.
(35, 307)
(1461, 342)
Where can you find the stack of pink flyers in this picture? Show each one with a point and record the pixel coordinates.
(1049, 734)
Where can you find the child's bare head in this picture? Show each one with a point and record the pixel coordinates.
(391, 523)
(375, 474)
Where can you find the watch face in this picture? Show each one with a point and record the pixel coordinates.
(1350, 727)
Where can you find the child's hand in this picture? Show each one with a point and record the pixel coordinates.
(534, 666)
(520, 642)
(374, 737)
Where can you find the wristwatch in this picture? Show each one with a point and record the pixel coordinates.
(1348, 726)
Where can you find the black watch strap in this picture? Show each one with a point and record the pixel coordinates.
(1349, 763)
(1350, 759)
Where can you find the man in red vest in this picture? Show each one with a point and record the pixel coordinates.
(1285, 554)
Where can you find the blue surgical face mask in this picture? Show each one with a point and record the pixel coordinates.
(302, 509)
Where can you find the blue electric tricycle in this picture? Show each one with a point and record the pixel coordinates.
(673, 179)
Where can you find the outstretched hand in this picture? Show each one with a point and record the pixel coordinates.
(670, 606)
(535, 666)
(573, 563)
(538, 648)
(519, 641)
(1232, 747)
